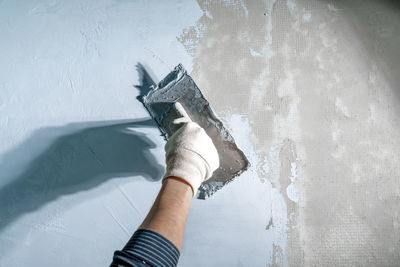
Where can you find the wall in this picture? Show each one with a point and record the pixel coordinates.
(309, 90)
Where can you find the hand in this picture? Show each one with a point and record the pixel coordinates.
(190, 153)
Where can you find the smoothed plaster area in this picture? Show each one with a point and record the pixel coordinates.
(80, 158)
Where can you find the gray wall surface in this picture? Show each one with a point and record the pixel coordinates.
(308, 88)
(319, 82)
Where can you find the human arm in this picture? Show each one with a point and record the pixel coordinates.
(191, 158)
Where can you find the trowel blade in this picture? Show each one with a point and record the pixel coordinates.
(178, 86)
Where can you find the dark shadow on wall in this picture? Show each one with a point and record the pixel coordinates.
(146, 81)
(89, 155)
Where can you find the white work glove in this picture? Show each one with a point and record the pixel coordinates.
(190, 153)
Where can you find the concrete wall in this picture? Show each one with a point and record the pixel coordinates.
(309, 90)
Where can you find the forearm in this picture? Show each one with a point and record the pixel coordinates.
(170, 211)
(191, 158)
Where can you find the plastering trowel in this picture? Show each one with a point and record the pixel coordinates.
(178, 86)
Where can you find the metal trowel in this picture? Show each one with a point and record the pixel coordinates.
(178, 86)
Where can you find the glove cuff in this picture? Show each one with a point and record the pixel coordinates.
(188, 166)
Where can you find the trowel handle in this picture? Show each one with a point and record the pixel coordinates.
(175, 118)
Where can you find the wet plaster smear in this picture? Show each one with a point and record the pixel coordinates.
(309, 90)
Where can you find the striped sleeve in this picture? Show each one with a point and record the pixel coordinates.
(147, 248)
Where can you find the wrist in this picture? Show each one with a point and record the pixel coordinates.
(188, 166)
(180, 184)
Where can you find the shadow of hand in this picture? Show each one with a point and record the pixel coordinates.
(77, 161)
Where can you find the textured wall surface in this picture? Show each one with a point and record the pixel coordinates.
(309, 89)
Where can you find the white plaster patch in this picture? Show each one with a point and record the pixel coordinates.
(336, 132)
(340, 150)
(244, 7)
(331, 7)
(255, 53)
(372, 113)
(340, 106)
(291, 5)
(208, 14)
(267, 48)
(293, 193)
(307, 16)
(293, 171)
(319, 61)
(337, 77)
(327, 38)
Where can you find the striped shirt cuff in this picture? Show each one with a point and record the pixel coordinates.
(151, 248)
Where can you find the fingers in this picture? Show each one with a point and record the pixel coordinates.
(180, 114)
(180, 110)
